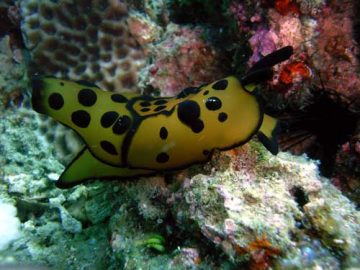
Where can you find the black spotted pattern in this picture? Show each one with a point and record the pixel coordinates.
(189, 114)
(108, 147)
(220, 85)
(118, 98)
(145, 104)
(81, 118)
(122, 125)
(145, 109)
(222, 117)
(188, 91)
(56, 101)
(87, 97)
(206, 92)
(108, 119)
(163, 133)
(162, 157)
(160, 102)
(213, 103)
(197, 126)
(159, 108)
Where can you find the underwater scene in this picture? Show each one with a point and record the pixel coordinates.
(179, 134)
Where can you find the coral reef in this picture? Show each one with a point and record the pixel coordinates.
(245, 209)
(181, 59)
(256, 210)
(76, 40)
(335, 56)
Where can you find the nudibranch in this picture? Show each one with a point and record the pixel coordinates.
(128, 135)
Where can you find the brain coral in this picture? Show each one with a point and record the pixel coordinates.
(82, 40)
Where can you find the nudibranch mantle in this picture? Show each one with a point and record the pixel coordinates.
(130, 135)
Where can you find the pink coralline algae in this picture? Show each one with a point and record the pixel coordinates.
(334, 54)
(262, 43)
(322, 40)
(181, 60)
(244, 19)
(282, 31)
(347, 168)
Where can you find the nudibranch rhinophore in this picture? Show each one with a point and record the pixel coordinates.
(128, 135)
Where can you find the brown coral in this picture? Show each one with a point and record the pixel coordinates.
(82, 40)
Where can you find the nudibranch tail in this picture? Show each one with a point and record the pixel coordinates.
(85, 166)
(268, 132)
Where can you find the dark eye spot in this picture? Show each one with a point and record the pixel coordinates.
(122, 125)
(56, 101)
(222, 117)
(159, 108)
(145, 104)
(163, 133)
(118, 98)
(220, 85)
(145, 109)
(87, 97)
(108, 119)
(213, 103)
(162, 157)
(81, 118)
(108, 147)
(160, 102)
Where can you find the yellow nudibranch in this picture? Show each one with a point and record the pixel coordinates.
(128, 135)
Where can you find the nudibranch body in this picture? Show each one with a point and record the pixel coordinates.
(131, 135)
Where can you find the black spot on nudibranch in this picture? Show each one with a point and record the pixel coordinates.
(220, 85)
(118, 98)
(163, 133)
(108, 147)
(160, 102)
(213, 103)
(122, 125)
(189, 113)
(108, 119)
(159, 108)
(145, 104)
(197, 126)
(162, 157)
(56, 101)
(206, 92)
(87, 97)
(222, 117)
(145, 109)
(81, 118)
(187, 91)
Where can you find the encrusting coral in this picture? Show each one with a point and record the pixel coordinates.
(82, 41)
